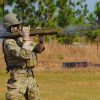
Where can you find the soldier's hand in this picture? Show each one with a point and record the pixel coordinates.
(41, 39)
(25, 33)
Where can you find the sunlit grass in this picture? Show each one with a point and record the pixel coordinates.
(71, 84)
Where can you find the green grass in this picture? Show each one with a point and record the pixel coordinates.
(71, 84)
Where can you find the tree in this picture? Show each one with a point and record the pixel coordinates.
(64, 11)
(8, 3)
(1, 2)
(45, 13)
(97, 12)
(71, 12)
(25, 9)
(1, 9)
(80, 11)
(35, 12)
(91, 19)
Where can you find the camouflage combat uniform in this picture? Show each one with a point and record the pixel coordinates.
(20, 62)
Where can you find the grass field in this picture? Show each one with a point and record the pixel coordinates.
(69, 84)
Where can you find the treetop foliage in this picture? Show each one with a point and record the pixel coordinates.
(55, 13)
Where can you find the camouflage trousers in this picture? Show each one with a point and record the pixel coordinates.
(22, 86)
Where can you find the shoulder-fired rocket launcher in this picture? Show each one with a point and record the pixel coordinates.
(51, 31)
(33, 32)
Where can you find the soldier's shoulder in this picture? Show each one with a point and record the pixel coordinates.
(10, 41)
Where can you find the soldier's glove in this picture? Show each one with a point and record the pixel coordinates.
(41, 39)
(40, 47)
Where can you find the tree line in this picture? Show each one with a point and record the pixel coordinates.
(57, 13)
(53, 13)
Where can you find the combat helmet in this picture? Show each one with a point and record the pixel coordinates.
(11, 19)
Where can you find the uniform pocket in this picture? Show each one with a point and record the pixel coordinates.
(11, 84)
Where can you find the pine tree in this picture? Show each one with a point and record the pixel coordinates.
(25, 9)
(97, 12)
(45, 13)
(64, 11)
(1, 2)
(80, 11)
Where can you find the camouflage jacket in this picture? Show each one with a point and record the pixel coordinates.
(16, 56)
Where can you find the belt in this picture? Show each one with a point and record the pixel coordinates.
(23, 72)
(26, 69)
(19, 67)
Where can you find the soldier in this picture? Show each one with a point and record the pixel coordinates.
(20, 57)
